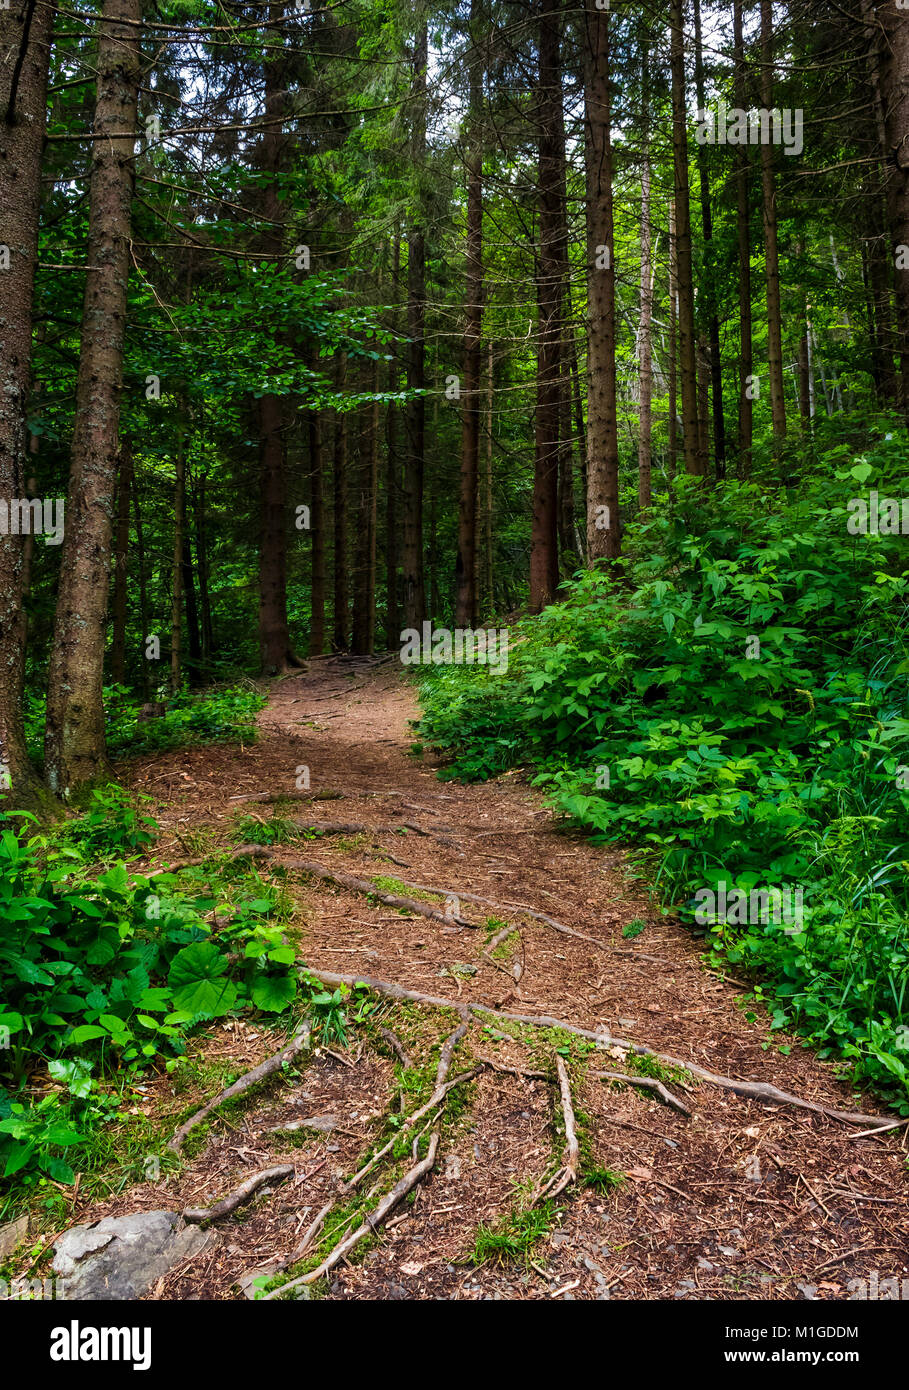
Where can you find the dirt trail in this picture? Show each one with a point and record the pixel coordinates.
(740, 1201)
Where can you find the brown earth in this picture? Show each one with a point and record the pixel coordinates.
(740, 1201)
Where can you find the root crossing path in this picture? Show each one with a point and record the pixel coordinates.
(445, 1149)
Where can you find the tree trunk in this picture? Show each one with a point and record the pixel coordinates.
(205, 619)
(466, 603)
(275, 651)
(710, 272)
(544, 539)
(687, 345)
(771, 250)
(121, 564)
(341, 592)
(176, 607)
(415, 415)
(22, 121)
(645, 356)
(392, 481)
(143, 588)
(364, 608)
(317, 532)
(488, 575)
(673, 373)
(894, 87)
(743, 225)
(603, 533)
(74, 741)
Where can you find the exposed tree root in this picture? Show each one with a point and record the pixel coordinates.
(250, 1078)
(410, 1179)
(272, 798)
(372, 1222)
(537, 917)
(357, 885)
(239, 1195)
(748, 1090)
(646, 1083)
(397, 1047)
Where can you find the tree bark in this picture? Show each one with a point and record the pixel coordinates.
(645, 356)
(488, 562)
(121, 565)
(673, 373)
(317, 532)
(687, 345)
(275, 651)
(466, 601)
(341, 593)
(544, 539)
(364, 607)
(771, 249)
(414, 591)
(894, 87)
(176, 608)
(22, 122)
(710, 272)
(74, 741)
(743, 232)
(603, 524)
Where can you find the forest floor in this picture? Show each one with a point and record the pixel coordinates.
(739, 1200)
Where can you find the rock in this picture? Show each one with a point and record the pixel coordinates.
(120, 1257)
(12, 1235)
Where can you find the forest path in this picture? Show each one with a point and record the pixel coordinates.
(741, 1200)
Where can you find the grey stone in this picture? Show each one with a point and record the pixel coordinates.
(120, 1257)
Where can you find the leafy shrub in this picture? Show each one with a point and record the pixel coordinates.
(101, 971)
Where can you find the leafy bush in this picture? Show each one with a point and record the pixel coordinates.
(637, 702)
(101, 971)
(210, 716)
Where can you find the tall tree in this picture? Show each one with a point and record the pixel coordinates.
(275, 651)
(645, 346)
(74, 741)
(544, 538)
(415, 414)
(683, 255)
(771, 246)
(743, 233)
(25, 43)
(710, 286)
(603, 533)
(894, 84)
(466, 601)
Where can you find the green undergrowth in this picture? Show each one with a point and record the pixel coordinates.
(105, 973)
(733, 704)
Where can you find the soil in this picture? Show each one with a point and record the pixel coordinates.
(740, 1201)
